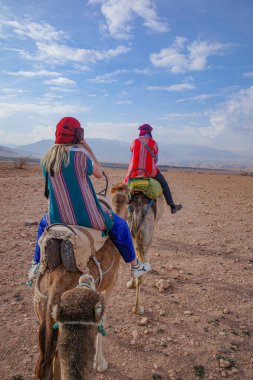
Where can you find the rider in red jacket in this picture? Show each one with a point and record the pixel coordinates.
(143, 163)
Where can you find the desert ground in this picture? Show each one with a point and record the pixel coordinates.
(201, 326)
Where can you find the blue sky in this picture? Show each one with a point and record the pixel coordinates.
(185, 67)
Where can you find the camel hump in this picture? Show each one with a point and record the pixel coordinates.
(146, 185)
(70, 245)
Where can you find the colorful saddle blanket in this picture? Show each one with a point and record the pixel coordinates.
(148, 186)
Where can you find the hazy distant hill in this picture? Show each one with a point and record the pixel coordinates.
(115, 151)
(105, 150)
(8, 152)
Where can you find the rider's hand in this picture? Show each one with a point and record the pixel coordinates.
(85, 144)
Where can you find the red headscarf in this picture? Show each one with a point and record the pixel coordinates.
(68, 131)
(145, 129)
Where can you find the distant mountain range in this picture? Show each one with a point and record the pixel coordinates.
(114, 151)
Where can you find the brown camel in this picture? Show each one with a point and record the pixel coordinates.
(70, 309)
(142, 214)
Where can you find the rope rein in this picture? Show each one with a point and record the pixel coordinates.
(100, 326)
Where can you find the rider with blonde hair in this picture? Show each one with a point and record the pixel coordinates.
(67, 167)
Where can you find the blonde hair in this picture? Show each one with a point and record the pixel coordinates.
(57, 155)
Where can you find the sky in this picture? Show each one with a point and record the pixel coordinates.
(185, 67)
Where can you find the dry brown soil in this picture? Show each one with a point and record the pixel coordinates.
(200, 327)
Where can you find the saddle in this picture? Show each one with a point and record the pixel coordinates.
(71, 245)
(147, 185)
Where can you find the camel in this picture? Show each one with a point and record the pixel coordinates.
(70, 309)
(142, 214)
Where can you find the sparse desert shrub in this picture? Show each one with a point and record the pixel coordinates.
(156, 376)
(20, 162)
(199, 370)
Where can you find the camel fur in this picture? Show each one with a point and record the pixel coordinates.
(142, 218)
(120, 199)
(73, 351)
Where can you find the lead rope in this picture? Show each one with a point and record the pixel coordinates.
(101, 329)
(99, 270)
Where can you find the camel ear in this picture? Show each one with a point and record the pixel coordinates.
(56, 311)
(113, 189)
(99, 310)
(119, 187)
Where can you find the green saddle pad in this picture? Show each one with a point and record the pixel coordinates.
(148, 186)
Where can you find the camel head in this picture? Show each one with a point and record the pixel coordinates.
(120, 193)
(141, 217)
(78, 315)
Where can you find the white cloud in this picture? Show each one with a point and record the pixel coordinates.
(122, 102)
(48, 48)
(183, 115)
(236, 114)
(197, 98)
(112, 131)
(61, 82)
(110, 77)
(41, 132)
(120, 13)
(23, 123)
(39, 108)
(10, 92)
(52, 96)
(228, 126)
(248, 74)
(34, 74)
(35, 31)
(179, 58)
(59, 54)
(66, 90)
(173, 87)
(142, 71)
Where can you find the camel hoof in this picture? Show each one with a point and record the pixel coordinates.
(131, 284)
(102, 367)
(138, 310)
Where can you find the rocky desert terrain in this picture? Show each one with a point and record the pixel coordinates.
(199, 327)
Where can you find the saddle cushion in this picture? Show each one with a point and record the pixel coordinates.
(82, 241)
(148, 186)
